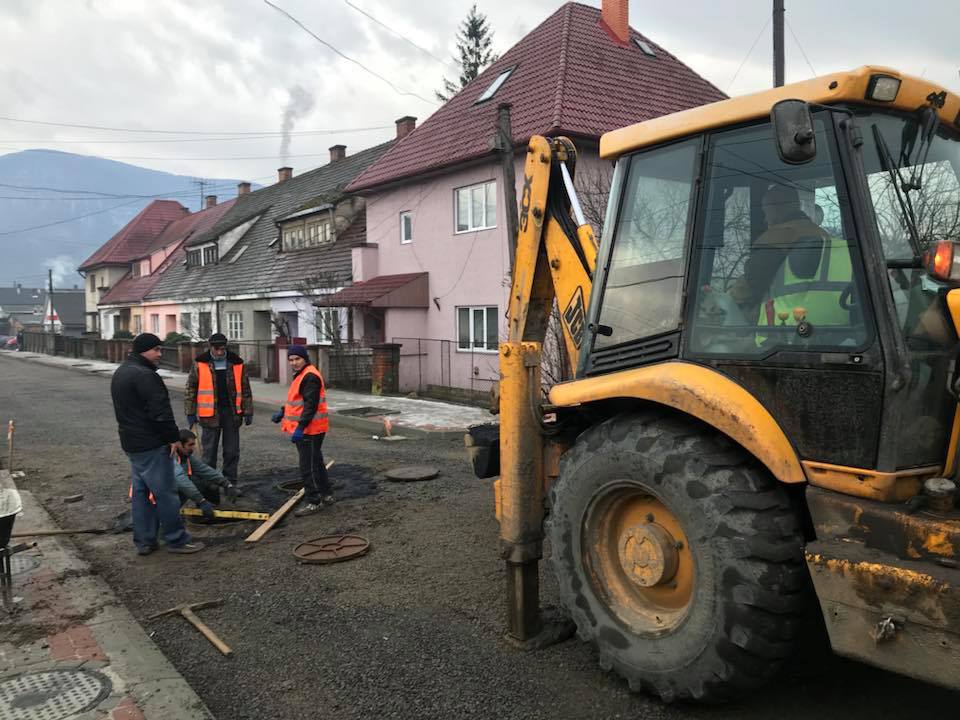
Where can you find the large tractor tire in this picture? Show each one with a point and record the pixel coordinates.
(678, 555)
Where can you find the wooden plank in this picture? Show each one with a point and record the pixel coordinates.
(231, 514)
(278, 515)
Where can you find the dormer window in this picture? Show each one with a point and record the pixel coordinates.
(494, 86)
(307, 234)
(210, 255)
(194, 258)
(203, 255)
(135, 270)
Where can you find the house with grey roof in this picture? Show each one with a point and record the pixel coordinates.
(262, 269)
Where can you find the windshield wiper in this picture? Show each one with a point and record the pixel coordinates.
(900, 189)
(931, 122)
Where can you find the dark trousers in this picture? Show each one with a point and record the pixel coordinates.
(313, 470)
(151, 473)
(229, 431)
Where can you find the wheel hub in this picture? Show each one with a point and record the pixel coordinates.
(648, 554)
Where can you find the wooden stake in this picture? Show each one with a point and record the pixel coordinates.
(278, 515)
(10, 446)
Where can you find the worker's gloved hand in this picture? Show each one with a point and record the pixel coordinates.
(230, 490)
(277, 416)
(207, 509)
(191, 420)
(247, 419)
(297, 435)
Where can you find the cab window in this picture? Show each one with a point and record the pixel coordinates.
(776, 265)
(644, 280)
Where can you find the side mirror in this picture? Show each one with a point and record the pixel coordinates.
(793, 128)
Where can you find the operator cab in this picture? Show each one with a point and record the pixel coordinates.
(806, 253)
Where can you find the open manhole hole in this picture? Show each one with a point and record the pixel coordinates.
(52, 695)
(348, 481)
(331, 549)
(368, 411)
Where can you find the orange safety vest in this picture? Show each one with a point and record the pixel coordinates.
(206, 390)
(293, 408)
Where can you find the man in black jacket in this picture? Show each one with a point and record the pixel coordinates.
(149, 436)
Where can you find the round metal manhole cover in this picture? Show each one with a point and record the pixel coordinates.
(411, 473)
(331, 549)
(23, 563)
(52, 695)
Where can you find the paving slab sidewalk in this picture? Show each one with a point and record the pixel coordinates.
(409, 416)
(63, 618)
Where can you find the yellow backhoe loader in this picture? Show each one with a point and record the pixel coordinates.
(763, 348)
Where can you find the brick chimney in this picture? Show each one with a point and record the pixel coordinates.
(405, 126)
(615, 19)
(243, 188)
(210, 201)
(284, 173)
(338, 152)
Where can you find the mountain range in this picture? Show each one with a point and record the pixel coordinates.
(56, 208)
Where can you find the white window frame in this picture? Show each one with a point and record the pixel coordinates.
(404, 238)
(472, 310)
(155, 323)
(137, 324)
(235, 324)
(324, 337)
(470, 226)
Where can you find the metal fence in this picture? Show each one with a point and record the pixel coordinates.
(439, 368)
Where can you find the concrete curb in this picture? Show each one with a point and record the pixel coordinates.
(84, 625)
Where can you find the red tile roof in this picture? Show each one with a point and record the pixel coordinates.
(368, 291)
(133, 290)
(136, 236)
(570, 77)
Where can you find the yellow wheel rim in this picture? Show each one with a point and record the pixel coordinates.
(638, 558)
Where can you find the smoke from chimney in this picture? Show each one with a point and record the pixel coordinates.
(299, 104)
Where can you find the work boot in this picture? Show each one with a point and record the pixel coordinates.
(187, 548)
(309, 509)
(329, 500)
(146, 549)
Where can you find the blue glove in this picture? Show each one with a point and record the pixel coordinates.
(297, 435)
(247, 419)
(191, 420)
(277, 416)
(207, 509)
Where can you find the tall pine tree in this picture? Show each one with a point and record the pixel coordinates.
(473, 43)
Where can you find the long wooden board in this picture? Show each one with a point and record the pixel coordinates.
(278, 515)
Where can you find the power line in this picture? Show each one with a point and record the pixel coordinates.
(68, 220)
(162, 157)
(346, 57)
(272, 133)
(271, 136)
(401, 36)
(747, 56)
(797, 41)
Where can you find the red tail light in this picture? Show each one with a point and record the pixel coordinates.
(940, 261)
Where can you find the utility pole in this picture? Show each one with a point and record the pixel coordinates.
(202, 184)
(50, 297)
(778, 12)
(503, 141)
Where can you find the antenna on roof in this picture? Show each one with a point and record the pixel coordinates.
(202, 184)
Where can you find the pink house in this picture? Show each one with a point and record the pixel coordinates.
(433, 272)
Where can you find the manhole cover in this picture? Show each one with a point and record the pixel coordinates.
(52, 695)
(23, 563)
(290, 486)
(410, 473)
(331, 549)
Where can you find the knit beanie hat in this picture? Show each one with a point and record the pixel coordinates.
(144, 342)
(299, 351)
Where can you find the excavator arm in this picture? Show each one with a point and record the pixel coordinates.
(555, 259)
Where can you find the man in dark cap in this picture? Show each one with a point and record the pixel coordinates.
(304, 419)
(218, 396)
(150, 437)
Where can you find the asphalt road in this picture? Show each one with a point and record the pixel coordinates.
(411, 630)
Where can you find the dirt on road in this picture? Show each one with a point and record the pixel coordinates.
(411, 630)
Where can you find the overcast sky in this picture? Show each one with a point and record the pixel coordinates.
(234, 65)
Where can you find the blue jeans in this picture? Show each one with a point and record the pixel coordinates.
(152, 472)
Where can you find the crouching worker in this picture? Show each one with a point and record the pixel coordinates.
(198, 481)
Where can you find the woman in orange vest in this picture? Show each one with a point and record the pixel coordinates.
(304, 418)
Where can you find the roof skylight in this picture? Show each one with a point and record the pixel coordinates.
(647, 50)
(494, 86)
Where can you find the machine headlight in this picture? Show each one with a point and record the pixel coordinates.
(883, 88)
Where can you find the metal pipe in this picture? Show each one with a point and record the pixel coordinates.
(572, 194)
(778, 59)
